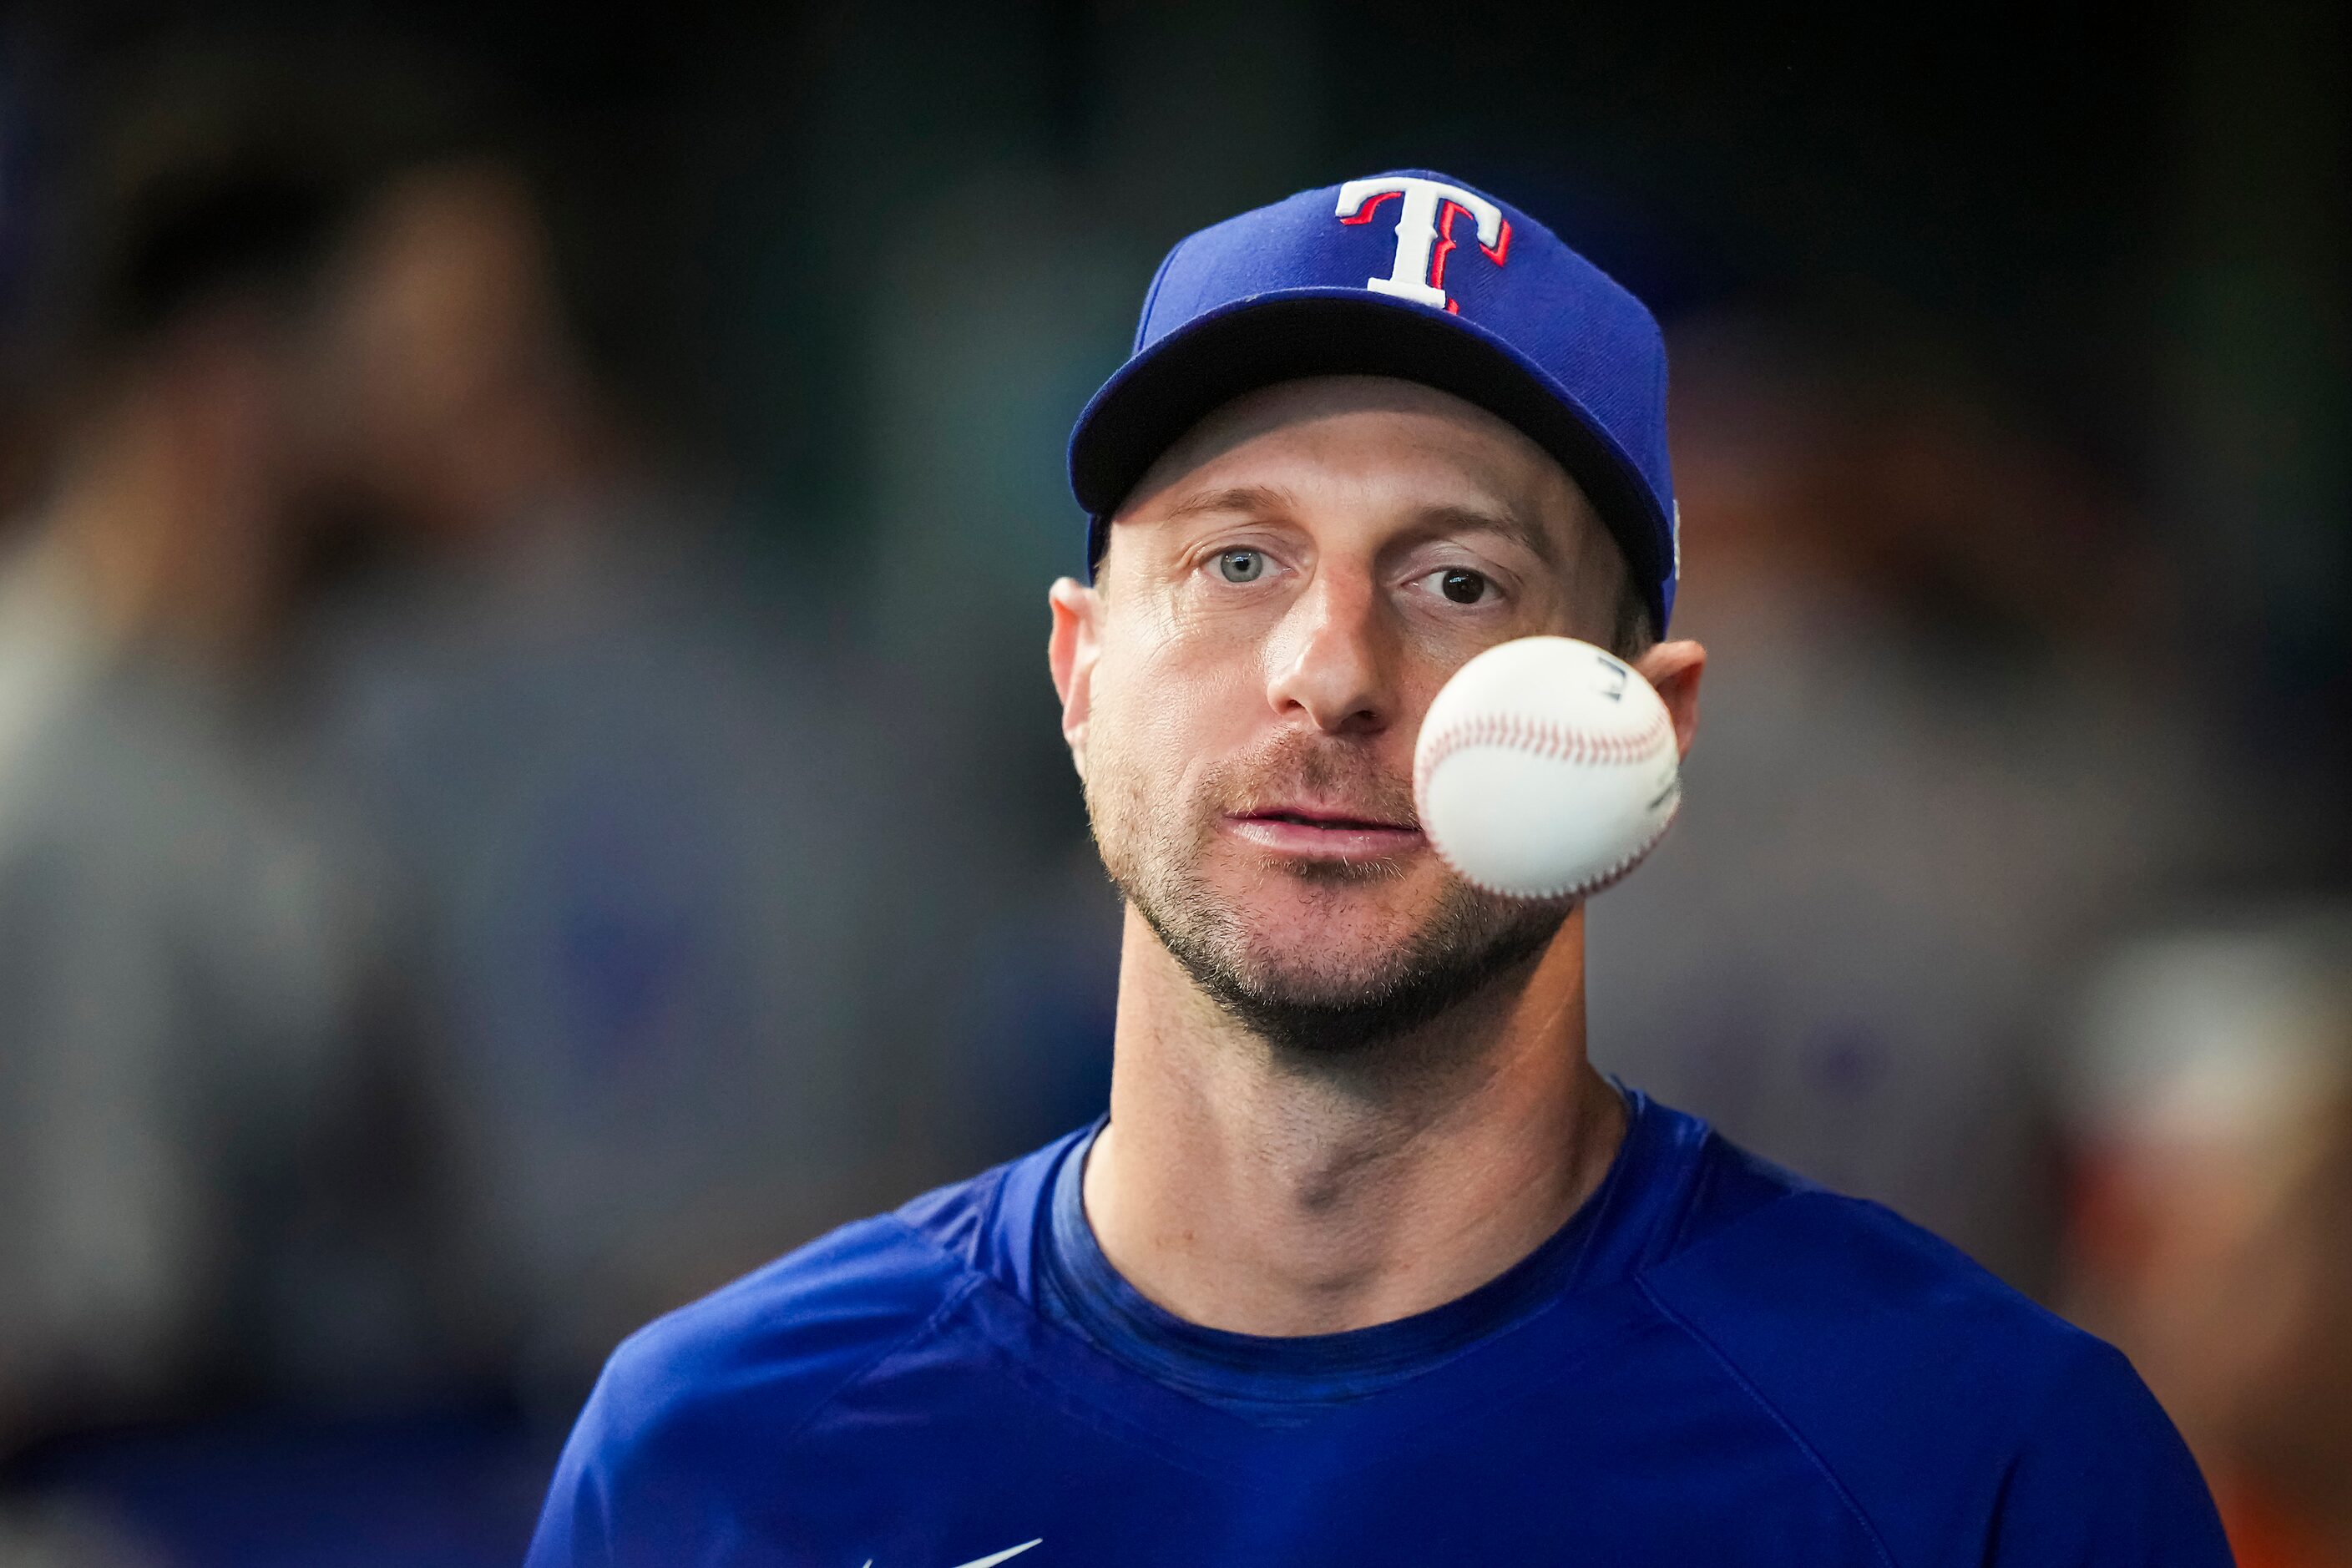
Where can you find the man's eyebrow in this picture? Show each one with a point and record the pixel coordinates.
(1462, 519)
(1255, 499)
(1453, 516)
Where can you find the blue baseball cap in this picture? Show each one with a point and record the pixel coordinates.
(1412, 275)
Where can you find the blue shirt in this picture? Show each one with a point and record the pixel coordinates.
(1713, 1363)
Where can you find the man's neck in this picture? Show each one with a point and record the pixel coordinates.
(1267, 1194)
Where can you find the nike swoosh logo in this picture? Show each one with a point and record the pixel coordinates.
(1008, 1552)
(992, 1562)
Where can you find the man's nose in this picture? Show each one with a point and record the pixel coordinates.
(1329, 662)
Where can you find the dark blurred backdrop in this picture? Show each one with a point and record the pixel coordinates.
(528, 785)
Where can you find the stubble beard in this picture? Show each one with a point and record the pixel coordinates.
(1332, 1004)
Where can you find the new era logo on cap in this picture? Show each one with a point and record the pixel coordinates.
(1461, 292)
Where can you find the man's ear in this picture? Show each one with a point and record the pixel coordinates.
(1071, 649)
(1674, 668)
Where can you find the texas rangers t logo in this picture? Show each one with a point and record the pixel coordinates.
(1424, 231)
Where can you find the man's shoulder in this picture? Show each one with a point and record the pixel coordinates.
(1767, 1259)
(764, 1353)
(792, 1329)
(689, 1400)
(1893, 1359)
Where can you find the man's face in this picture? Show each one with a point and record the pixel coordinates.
(1281, 598)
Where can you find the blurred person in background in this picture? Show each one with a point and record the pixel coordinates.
(201, 1170)
(2210, 1121)
(431, 897)
(639, 846)
(1949, 748)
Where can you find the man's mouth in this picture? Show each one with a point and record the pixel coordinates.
(1331, 833)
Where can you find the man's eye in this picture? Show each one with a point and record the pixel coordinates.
(1463, 586)
(1241, 566)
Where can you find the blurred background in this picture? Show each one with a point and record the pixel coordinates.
(528, 783)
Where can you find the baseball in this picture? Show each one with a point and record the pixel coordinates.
(1546, 769)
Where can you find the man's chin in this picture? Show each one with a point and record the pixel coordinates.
(1326, 963)
(1386, 898)
(1339, 978)
(1337, 933)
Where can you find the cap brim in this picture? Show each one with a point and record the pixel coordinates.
(1164, 392)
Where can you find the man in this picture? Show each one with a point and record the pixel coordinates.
(1366, 1263)
(606, 792)
(194, 1210)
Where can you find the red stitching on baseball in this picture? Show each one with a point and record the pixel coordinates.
(1542, 738)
